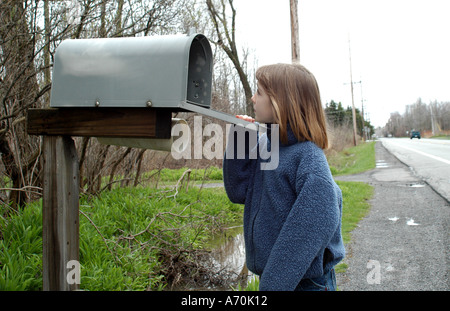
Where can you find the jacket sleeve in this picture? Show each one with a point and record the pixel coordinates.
(239, 162)
(308, 228)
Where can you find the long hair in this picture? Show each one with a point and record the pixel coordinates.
(295, 98)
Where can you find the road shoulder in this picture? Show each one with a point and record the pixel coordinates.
(402, 244)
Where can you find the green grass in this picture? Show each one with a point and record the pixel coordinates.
(355, 205)
(173, 175)
(21, 250)
(443, 137)
(129, 237)
(354, 160)
(145, 229)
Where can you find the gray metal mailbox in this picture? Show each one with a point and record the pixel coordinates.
(173, 71)
(158, 71)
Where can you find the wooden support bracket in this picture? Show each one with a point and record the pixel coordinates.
(100, 122)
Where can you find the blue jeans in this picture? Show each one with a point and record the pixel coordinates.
(326, 282)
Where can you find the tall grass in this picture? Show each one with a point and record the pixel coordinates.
(130, 238)
(21, 250)
(353, 160)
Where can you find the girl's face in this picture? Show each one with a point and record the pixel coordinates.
(263, 106)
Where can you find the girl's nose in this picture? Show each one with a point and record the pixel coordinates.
(253, 99)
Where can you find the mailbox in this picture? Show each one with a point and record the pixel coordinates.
(172, 72)
(157, 71)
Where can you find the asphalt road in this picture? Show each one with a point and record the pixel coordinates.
(428, 158)
(403, 243)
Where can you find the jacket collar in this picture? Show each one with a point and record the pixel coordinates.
(291, 137)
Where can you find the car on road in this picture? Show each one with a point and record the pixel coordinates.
(415, 134)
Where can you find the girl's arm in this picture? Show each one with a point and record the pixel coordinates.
(239, 162)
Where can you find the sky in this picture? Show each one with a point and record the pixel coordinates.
(400, 49)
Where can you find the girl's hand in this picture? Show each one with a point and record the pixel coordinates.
(245, 118)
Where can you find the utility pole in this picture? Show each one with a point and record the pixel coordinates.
(365, 137)
(433, 126)
(295, 44)
(362, 108)
(353, 101)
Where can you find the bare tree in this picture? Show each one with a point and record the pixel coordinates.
(225, 30)
(30, 31)
(19, 90)
(431, 119)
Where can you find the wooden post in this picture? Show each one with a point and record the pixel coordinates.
(351, 88)
(295, 44)
(60, 214)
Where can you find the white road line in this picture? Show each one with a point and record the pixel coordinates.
(422, 153)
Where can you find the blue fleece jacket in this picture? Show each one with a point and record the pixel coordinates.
(292, 216)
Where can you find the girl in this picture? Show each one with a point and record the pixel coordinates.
(292, 217)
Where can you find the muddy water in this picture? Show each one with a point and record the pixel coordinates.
(225, 262)
(228, 258)
(229, 250)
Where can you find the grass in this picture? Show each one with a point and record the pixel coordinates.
(129, 237)
(443, 137)
(354, 160)
(197, 175)
(355, 205)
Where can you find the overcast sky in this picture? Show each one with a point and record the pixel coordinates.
(400, 49)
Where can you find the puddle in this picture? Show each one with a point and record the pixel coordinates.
(416, 185)
(411, 223)
(228, 257)
(229, 251)
(225, 262)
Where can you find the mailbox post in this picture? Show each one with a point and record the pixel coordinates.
(121, 88)
(60, 219)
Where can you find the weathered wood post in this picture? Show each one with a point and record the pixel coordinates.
(60, 213)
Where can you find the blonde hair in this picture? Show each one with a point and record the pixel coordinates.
(295, 98)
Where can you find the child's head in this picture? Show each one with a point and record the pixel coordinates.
(295, 99)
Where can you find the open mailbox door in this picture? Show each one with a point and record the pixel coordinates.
(171, 72)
